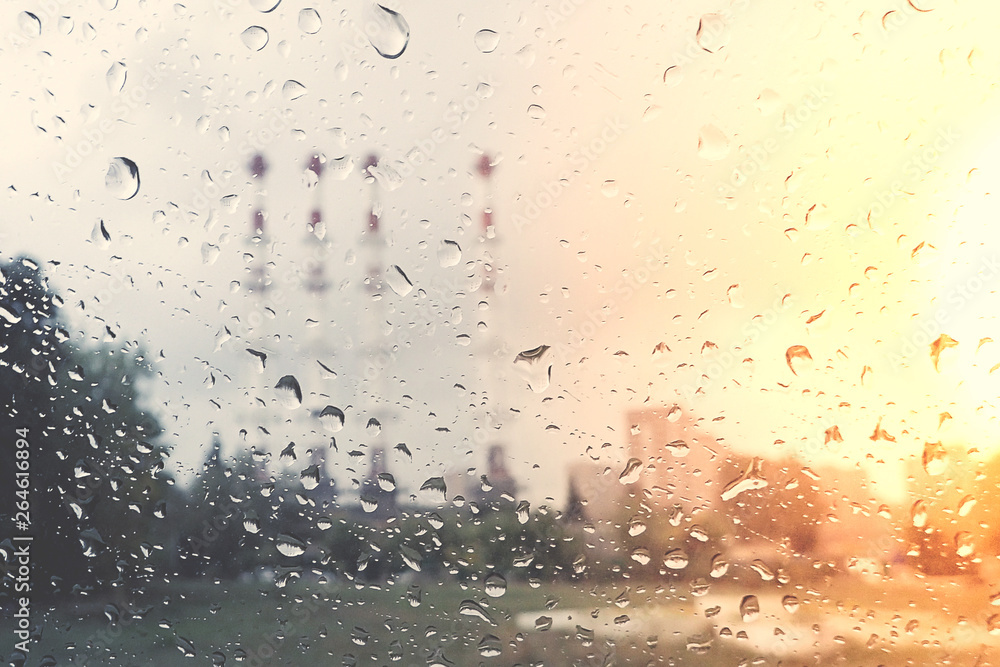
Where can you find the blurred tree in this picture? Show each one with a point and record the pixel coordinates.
(95, 482)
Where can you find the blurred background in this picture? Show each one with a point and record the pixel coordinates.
(555, 333)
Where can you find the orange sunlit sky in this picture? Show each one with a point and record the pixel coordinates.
(793, 174)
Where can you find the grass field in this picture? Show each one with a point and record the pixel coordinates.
(850, 622)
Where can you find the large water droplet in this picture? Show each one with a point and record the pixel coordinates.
(934, 458)
(630, 475)
(186, 647)
(289, 392)
(749, 479)
(292, 90)
(332, 418)
(265, 6)
(790, 603)
(798, 359)
(490, 647)
(535, 367)
(435, 484)
(495, 585)
(310, 21)
(473, 608)
(289, 545)
(122, 179)
(964, 544)
(749, 608)
(712, 143)
(675, 559)
(116, 76)
(449, 253)
(398, 281)
(387, 30)
(310, 477)
(487, 41)
(918, 514)
(254, 38)
(386, 481)
(522, 511)
(713, 32)
(29, 24)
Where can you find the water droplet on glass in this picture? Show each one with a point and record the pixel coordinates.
(251, 522)
(289, 545)
(411, 557)
(265, 6)
(712, 33)
(218, 659)
(964, 544)
(536, 112)
(522, 511)
(699, 533)
(293, 90)
(535, 367)
(630, 475)
(790, 603)
(435, 484)
(254, 38)
(543, 623)
(490, 647)
(310, 21)
(934, 458)
(332, 419)
(386, 481)
(918, 514)
(122, 179)
(609, 188)
(449, 253)
(762, 569)
(116, 76)
(495, 585)
(373, 427)
(289, 392)
(339, 168)
(675, 559)
(798, 359)
(473, 608)
(413, 595)
(750, 479)
(712, 143)
(487, 41)
(29, 24)
(965, 505)
(310, 477)
(360, 636)
(186, 647)
(398, 281)
(387, 30)
(749, 608)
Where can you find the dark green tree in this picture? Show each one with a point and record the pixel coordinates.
(95, 472)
